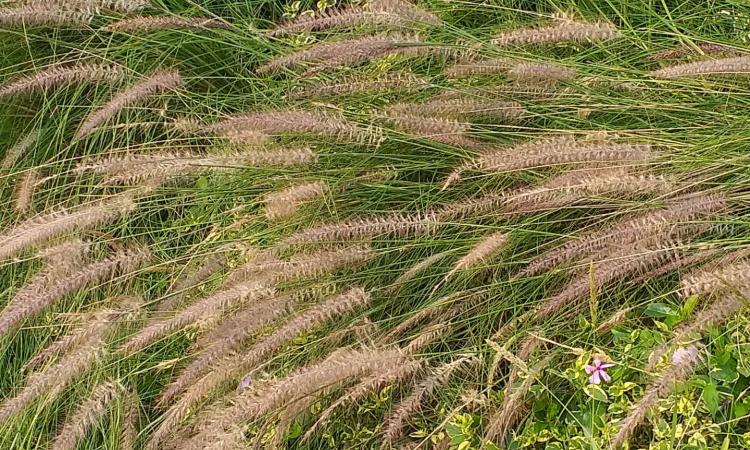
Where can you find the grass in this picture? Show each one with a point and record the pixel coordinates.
(698, 125)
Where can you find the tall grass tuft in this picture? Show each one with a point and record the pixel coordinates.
(56, 76)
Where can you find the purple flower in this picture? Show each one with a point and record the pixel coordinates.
(597, 372)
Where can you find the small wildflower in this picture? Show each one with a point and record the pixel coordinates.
(597, 372)
(246, 383)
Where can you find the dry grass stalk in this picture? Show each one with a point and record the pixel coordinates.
(188, 279)
(728, 277)
(618, 266)
(53, 380)
(705, 48)
(222, 431)
(304, 265)
(93, 6)
(513, 407)
(285, 203)
(361, 330)
(185, 125)
(573, 186)
(481, 252)
(341, 53)
(59, 281)
(428, 336)
(39, 15)
(393, 427)
(436, 129)
(55, 76)
(19, 148)
(363, 228)
(561, 31)
(296, 121)
(404, 9)
(233, 333)
(44, 227)
(618, 180)
(96, 6)
(360, 391)
(158, 82)
(358, 84)
(50, 383)
(234, 367)
(683, 262)
(87, 415)
(554, 151)
(682, 210)
(329, 18)
(154, 23)
(409, 274)
(474, 207)
(428, 312)
(207, 311)
(24, 191)
(159, 168)
(378, 14)
(544, 74)
(614, 320)
(130, 418)
(726, 66)
(66, 252)
(461, 107)
(487, 66)
(684, 362)
(85, 332)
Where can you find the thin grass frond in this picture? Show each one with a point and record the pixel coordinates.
(726, 66)
(684, 362)
(24, 191)
(145, 24)
(56, 76)
(44, 227)
(156, 83)
(87, 415)
(563, 30)
(234, 367)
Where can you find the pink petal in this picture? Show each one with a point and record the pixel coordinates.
(597, 362)
(606, 366)
(605, 376)
(594, 379)
(589, 369)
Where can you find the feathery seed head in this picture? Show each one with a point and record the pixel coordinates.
(284, 203)
(156, 83)
(560, 31)
(56, 76)
(153, 23)
(726, 66)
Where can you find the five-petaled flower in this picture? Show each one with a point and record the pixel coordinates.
(597, 372)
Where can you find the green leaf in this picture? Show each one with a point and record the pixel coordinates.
(689, 305)
(596, 392)
(464, 445)
(659, 310)
(740, 410)
(201, 183)
(711, 397)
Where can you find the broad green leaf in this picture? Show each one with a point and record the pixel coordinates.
(711, 397)
(596, 392)
(659, 310)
